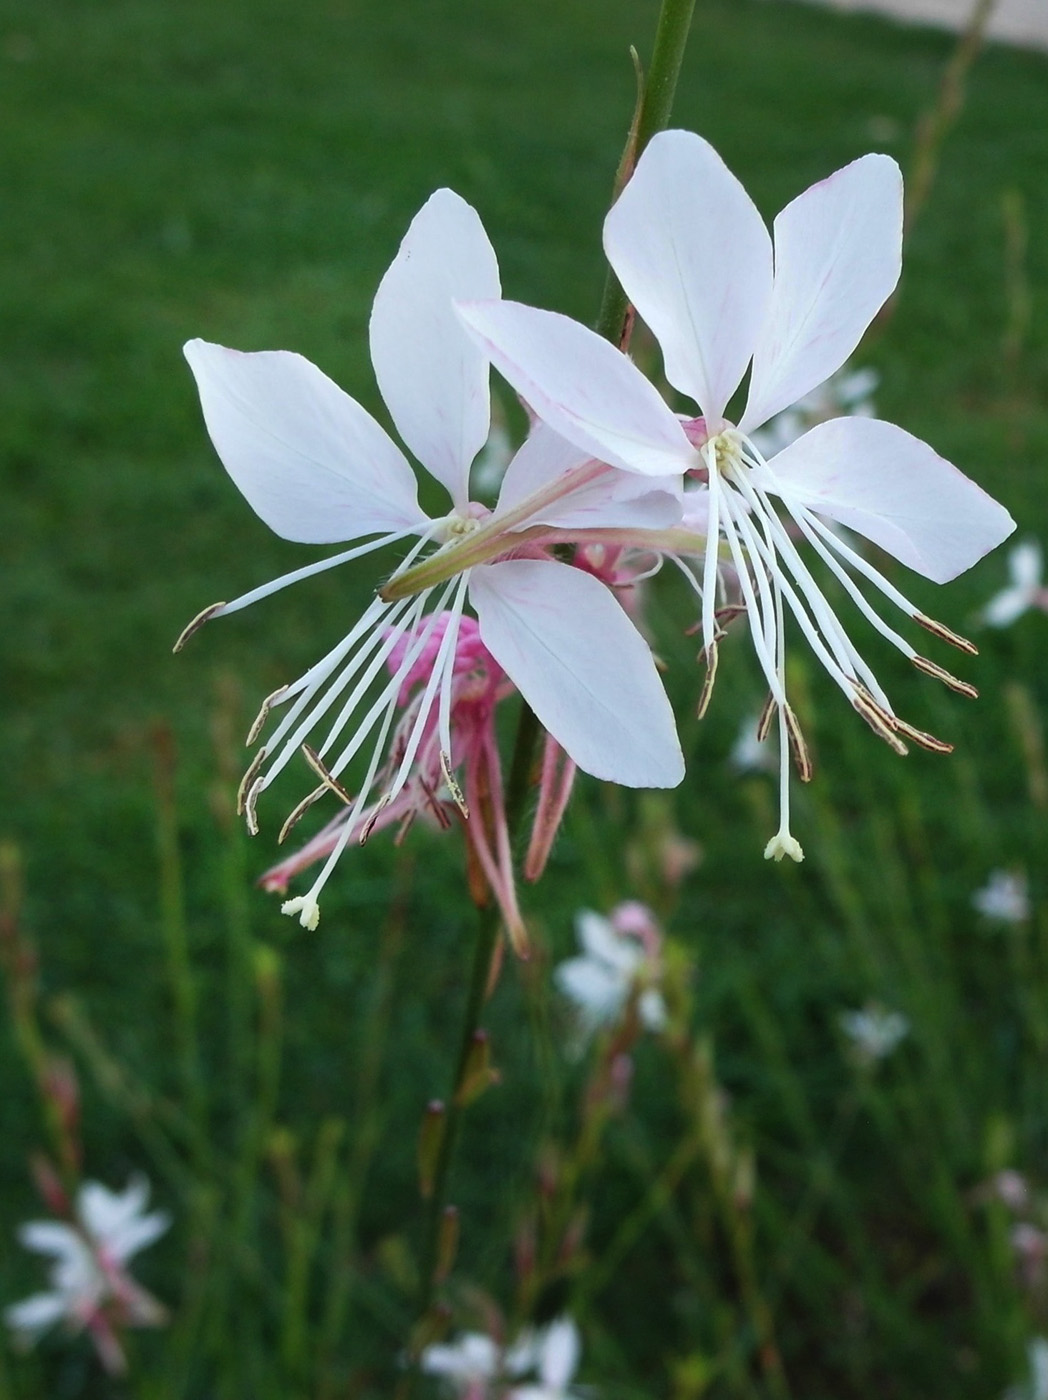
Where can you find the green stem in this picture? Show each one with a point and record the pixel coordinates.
(653, 115)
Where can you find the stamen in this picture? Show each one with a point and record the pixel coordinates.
(248, 778)
(194, 627)
(369, 825)
(940, 630)
(880, 721)
(707, 683)
(922, 738)
(325, 775)
(452, 784)
(300, 811)
(931, 669)
(767, 714)
(801, 756)
(249, 805)
(263, 714)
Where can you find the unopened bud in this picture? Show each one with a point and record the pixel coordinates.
(478, 1073)
(430, 1136)
(447, 1242)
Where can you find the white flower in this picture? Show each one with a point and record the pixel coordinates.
(554, 1354)
(697, 262)
(468, 1365)
(613, 964)
(89, 1284)
(1004, 897)
(1026, 590)
(874, 1032)
(318, 468)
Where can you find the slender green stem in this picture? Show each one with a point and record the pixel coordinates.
(653, 115)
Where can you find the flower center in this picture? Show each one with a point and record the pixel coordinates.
(725, 452)
(457, 526)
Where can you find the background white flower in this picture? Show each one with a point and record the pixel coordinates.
(612, 964)
(1025, 588)
(1005, 897)
(873, 1031)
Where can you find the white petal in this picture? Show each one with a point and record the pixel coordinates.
(597, 938)
(309, 460)
(652, 1009)
(838, 255)
(891, 487)
(598, 991)
(694, 257)
(1025, 564)
(433, 375)
(583, 387)
(561, 1347)
(50, 1237)
(1005, 608)
(615, 499)
(583, 668)
(36, 1314)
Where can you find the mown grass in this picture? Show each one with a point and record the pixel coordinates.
(244, 172)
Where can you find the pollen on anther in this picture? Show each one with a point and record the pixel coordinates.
(205, 615)
(248, 778)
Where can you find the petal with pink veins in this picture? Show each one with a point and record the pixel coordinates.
(895, 490)
(589, 392)
(614, 499)
(582, 666)
(309, 460)
(838, 255)
(432, 374)
(694, 257)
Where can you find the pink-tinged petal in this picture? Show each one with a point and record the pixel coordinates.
(583, 387)
(310, 461)
(694, 257)
(615, 499)
(889, 486)
(582, 666)
(433, 375)
(35, 1315)
(838, 255)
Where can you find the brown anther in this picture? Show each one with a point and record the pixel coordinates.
(880, 721)
(451, 782)
(798, 747)
(196, 624)
(248, 778)
(325, 775)
(300, 811)
(767, 714)
(435, 805)
(931, 669)
(369, 825)
(263, 715)
(707, 683)
(940, 630)
(249, 806)
(921, 738)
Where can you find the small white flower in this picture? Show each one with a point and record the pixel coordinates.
(88, 1278)
(1025, 589)
(846, 394)
(874, 1032)
(613, 962)
(468, 1364)
(555, 1356)
(1005, 897)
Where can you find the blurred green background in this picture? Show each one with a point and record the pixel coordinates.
(244, 172)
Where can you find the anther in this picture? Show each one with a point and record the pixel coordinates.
(880, 721)
(325, 775)
(369, 825)
(931, 669)
(940, 630)
(709, 678)
(923, 739)
(248, 778)
(196, 624)
(263, 715)
(300, 811)
(451, 782)
(767, 714)
(249, 805)
(798, 748)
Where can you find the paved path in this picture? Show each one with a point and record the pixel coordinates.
(1012, 21)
